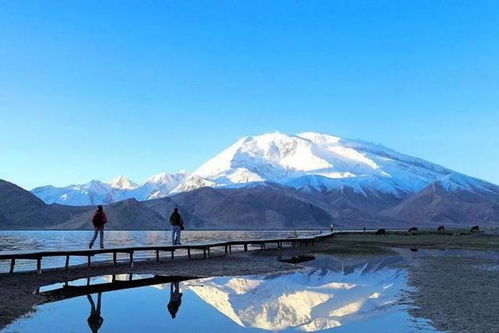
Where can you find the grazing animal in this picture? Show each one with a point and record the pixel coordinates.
(381, 232)
(412, 230)
(475, 230)
(441, 229)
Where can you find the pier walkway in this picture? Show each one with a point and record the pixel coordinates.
(189, 248)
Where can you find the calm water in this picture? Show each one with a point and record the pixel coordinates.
(21, 240)
(324, 296)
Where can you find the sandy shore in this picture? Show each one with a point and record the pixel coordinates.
(456, 289)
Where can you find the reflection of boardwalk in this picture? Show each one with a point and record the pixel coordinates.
(69, 291)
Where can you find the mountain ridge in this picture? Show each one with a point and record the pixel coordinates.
(275, 180)
(306, 161)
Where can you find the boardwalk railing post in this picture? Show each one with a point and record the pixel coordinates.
(173, 256)
(245, 247)
(189, 253)
(157, 255)
(114, 258)
(67, 263)
(89, 261)
(39, 265)
(12, 264)
(131, 258)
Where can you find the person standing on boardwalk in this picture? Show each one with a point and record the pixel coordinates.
(177, 226)
(99, 219)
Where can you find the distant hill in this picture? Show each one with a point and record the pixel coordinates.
(20, 209)
(264, 206)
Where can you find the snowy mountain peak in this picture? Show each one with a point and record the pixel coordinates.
(298, 161)
(167, 178)
(122, 183)
(120, 188)
(320, 162)
(307, 161)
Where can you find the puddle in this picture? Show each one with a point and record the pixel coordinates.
(323, 296)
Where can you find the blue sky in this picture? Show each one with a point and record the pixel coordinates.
(95, 89)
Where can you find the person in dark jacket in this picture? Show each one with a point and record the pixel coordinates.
(177, 225)
(175, 299)
(99, 219)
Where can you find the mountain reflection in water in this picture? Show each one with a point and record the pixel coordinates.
(323, 295)
(311, 299)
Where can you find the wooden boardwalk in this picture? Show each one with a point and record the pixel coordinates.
(189, 248)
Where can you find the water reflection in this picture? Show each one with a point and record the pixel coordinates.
(175, 299)
(95, 320)
(314, 298)
(326, 295)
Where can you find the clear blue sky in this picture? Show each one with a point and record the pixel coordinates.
(95, 89)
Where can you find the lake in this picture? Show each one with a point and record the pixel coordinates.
(324, 295)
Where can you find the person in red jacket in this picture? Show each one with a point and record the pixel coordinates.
(98, 221)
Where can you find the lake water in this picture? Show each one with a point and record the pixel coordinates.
(323, 296)
(38, 240)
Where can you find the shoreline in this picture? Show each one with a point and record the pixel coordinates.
(455, 278)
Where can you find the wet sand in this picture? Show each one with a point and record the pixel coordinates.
(457, 292)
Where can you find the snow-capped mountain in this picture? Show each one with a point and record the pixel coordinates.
(122, 183)
(350, 181)
(314, 161)
(117, 189)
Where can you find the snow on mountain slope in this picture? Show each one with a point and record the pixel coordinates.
(307, 162)
(314, 161)
(120, 188)
(122, 183)
(309, 300)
